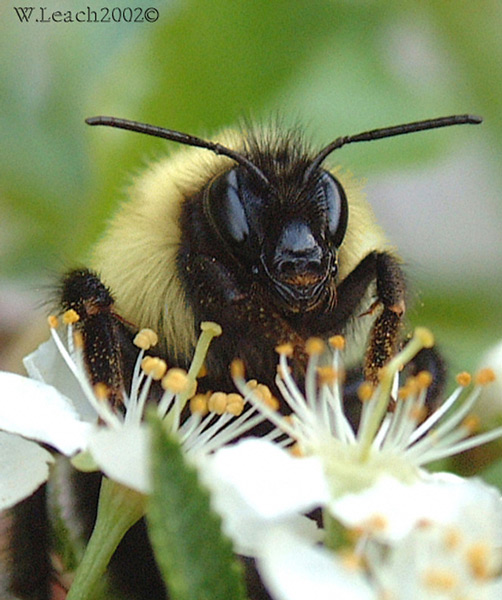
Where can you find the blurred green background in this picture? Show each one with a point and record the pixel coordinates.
(334, 67)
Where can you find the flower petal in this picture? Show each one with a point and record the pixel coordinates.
(267, 479)
(46, 364)
(294, 569)
(24, 466)
(38, 411)
(123, 455)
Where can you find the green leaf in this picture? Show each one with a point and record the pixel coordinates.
(196, 560)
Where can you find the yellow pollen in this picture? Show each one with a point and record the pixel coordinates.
(296, 450)
(217, 403)
(145, 339)
(418, 413)
(424, 379)
(464, 378)
(365, 391)
(452, 538)
(314, 346)
(78, 340)
(425, 336)
(199, 404)
(471, 423)
(235, 404)
(351, 560)
(440, 579)
(203, 371)
(211, 327)
(376, 523)
(53, 321)
(337, 342)
(285, 349)
(237, 369)
(176, 380)
(155, 367)
(478, 558)
(327, 375)
(70, 317)
(264, 393)
(485, 376)
(101, 391)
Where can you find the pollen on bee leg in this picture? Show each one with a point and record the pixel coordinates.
(145, 339)
(175, 380)
(154, 367)
(70, 317)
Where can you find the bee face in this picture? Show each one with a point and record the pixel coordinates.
(287, 235)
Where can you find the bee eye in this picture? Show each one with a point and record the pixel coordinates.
(234, 212)
(335, 202)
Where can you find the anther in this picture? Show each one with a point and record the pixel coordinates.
(314, 346)
(154, 367)
(101, 391)
(425, 336)
(70, 317)
(464, 378)
(199, 404)
(485, 376)
(237, 369)
(217, 403)
(53, 321)
(285, 349)
(327, 375)
(145, 339)
(176, 380)
(365, 391)
(337, 342)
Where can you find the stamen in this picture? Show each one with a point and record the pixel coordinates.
(154, 367)
(145, 339)
(217, 403)
(464, 378)
(314, 346)
(53, 321)
(70, 317)
(285, 349)
(176, 381)
(337, 342)
(485, 376)
(199, 404)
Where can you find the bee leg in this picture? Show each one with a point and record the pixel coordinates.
(385, 333)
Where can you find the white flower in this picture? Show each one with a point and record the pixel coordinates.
(59, 407)
(387, 444)
(458, 558)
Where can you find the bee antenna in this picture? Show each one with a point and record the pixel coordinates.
(377, 134)
(182, 138)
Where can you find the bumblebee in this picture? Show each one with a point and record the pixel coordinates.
(252, 232)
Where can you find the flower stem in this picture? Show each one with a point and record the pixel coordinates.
(118, 509)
